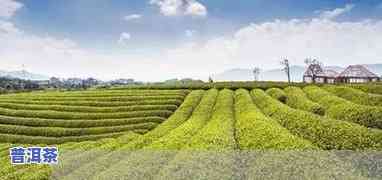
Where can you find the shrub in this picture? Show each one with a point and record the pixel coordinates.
(53, 140)
(180, 116)
(62, 132)
(64, 108)
(77, 115)
(178, 137)
(83, 123)
(84, 152)
(102, 99)
(104, 93)
(339, 108)
(218, 133)
(297, 99)
(277, 94)
(175, 120)
(95, 103)
(324, 132)
(256, 131)
(355, 95)
(368, 88)
(145, 165)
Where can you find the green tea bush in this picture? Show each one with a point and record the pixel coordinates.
(324, 132)
(218, 133)
(277, 94)
(104, 93)
(256, 131)
(64, 108)
(175, 120)
(76, 115)
(355, 95)
(145, 165)
(53, 140)
(217, 136)
(102, 99)
(102, 165)
(178, 137)
(96, 103)
(81, 153)
(369, 88)
(83, 123)
(339, 108)
(62, 132)
(297, 99)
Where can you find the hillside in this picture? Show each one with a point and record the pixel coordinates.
(23, 75)
(179, 134)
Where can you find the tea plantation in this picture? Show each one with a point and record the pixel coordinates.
(197, 133)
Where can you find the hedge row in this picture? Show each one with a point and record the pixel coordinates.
(96, 103)
(17, 172)
(296, 98)
(355, 95)
(324, 132)
(64, 108)
(86, 95)
(256, 131)
(178, 137)
(83, 123)
(116, 98)
(54, 140)
(81, 156)
(62, 132)
(175, 120)
(181, 115)
(77, 115)
(100, 93)
(277, 94)
(339, 108)
(77, 157)
(368, 88)
(218, 134)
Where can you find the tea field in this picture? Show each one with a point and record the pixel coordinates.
(211, 132)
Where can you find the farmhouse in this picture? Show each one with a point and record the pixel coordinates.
(321, 75)
(352, 74)
(357, 74)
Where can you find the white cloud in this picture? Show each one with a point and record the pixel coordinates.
(8, 8)
(132, 17)
(190, 33)
(7, 28)
(180, 7)
(196, 9)
(123, 38)
(264, 44)
(336, 12)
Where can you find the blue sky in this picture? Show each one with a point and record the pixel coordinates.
(173, 36)
(98, 23)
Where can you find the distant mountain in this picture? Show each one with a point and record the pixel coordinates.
(278, 74)
(23, 75)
